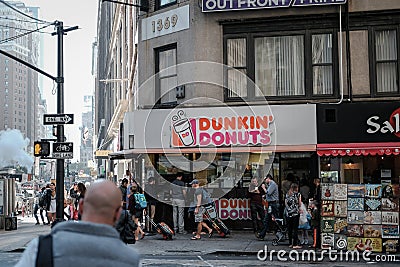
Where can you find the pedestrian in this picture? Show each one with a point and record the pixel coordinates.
(199, 210)
(152, 196)
(272, 197)
(95, 240)
(136, 212)
(178, 194)
(42, 204)
(73, 193)
(316, 196)
(81, 194)
(36, 207)
(124, 192)
(292, 211)
(255, 194)
(304, 190)
(315, 224)
(51, 203)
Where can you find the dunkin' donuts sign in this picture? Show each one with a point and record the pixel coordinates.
(220, 130)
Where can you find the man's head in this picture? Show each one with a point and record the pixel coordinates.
(179, 175)
(195, 183)
(124, 182)
(268, 178)
(102, 203)
(151, 180)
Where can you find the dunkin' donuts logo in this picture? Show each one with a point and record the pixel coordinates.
(389, 126)
(221, 131)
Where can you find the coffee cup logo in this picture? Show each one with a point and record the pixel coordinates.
(183, 128)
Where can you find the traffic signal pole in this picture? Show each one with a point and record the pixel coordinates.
(60, 128)
(60, 32)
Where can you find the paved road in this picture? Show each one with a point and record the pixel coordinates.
(240, 249)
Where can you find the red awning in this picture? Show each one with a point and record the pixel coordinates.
(357, 149)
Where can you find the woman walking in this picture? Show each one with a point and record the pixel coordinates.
(292, 212)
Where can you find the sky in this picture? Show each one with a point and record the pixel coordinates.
(78, 80)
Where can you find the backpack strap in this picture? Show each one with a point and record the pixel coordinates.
(44, 255)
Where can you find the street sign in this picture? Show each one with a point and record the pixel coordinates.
(63, 150)
(52, 119)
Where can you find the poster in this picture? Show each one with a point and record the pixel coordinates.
(391, 245)
(391, 218)
(373, 204)
(373, 190)
(356, 190)
(390, 190)
(327, 208)
(355, 230)
(355, 217)
(327, 225)
(340, 191)
(364, 244)
(390, 231)
(372, 217)
(372, 230)
(340, 208)
(327, 240)
(355, 203)
(340, 226)
(327, 191)
(390, 204)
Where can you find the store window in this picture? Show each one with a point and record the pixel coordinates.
(166, 74)
(386, 61)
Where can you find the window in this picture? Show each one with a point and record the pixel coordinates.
(299, 65)
(322, 64)
(237, 82)
(166, 74)
(279, 65)
(386, 61)
(164, 3)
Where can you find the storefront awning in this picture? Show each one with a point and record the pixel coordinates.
(358, 149)
(133, 153)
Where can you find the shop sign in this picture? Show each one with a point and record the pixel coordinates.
(221, 130)
(234, 208)
(165, 23)
(227, 5)
(359, 123)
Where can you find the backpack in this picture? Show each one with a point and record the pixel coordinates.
(42, 199)
(140, 201)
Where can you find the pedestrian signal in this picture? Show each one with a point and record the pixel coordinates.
(41, 149)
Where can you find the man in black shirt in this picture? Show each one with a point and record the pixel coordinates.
(151, 195)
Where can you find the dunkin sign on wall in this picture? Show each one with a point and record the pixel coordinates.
(230, 130)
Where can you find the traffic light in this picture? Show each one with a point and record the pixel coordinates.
(41, 149)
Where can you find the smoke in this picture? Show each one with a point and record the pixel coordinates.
(13, 149)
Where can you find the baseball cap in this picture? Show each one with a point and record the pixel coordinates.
(195, 181)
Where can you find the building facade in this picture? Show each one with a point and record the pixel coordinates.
(20, 97)
(230, 90)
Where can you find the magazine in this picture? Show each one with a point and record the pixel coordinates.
(355, 203)
(340, 191)
(340, 208)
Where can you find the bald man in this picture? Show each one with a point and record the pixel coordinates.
(92, 241)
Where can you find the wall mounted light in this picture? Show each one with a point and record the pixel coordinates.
(349, 161)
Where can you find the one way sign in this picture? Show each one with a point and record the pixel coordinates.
(51, 119)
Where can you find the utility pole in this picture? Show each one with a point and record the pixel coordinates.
(60, 31)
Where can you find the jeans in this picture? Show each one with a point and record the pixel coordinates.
(268, 216)
(257, 214)
(178, 206)
(35, 210)
(293, 230)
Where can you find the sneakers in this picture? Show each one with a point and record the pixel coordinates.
(37, 223)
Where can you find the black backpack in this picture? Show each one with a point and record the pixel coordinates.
(42, 199)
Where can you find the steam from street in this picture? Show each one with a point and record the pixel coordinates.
(13, 149)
